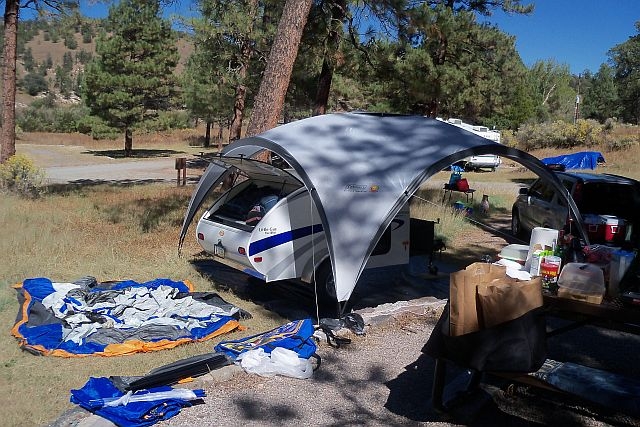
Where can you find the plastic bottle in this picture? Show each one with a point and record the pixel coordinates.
(574, 252)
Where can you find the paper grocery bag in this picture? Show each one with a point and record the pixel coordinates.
(502, 302)
(465, 314)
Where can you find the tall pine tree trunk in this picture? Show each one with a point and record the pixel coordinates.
(220, 145)
(235, 131)
(207, 134)
(246, 51)
(8, 131)
(128, 142)
(328, 63)
(324, 87)
(269, 101)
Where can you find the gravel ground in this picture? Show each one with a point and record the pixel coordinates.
(380, 379)
(357, 384)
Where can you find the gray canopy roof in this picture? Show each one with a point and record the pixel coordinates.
(360, 169)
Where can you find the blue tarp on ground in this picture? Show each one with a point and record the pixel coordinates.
(97, 392)
(81, 319)
(581, 160)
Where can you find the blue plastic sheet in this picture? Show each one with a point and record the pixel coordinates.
(581, 160)
(93, 395)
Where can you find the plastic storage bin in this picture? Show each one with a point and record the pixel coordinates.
(517, 253)
(583, 282)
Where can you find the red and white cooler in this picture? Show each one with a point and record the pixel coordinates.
(604, 228)
(614, 228)
(594, 226)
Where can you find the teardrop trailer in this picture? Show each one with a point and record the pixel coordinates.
(268, 225)
(343, 206)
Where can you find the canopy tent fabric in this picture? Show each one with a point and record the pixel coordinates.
(73, 319)
(581, 160)
(360, 169)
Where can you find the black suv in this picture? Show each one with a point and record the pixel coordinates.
(600, 194)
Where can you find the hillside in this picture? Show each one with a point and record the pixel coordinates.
(43, 48)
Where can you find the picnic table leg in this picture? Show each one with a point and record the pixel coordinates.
(437, 391)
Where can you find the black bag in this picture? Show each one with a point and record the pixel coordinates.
(518, 345)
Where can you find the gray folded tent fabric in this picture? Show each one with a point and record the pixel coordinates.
(360, 169)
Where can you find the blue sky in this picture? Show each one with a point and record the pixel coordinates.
(574, 32)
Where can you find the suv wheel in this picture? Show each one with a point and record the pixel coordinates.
(516, 225)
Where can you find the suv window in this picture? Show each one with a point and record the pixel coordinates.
(569, 186)
(542, 191)
(607, 199)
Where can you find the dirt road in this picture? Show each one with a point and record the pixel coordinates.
(65, 164)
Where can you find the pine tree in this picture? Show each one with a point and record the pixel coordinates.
(132, 77)
(269, 101)
(224, 64)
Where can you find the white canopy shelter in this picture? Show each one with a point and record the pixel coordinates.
(360, 169)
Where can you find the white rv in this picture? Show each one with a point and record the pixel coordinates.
(268, 224)
(485, 161)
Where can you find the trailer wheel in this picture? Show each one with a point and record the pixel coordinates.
(326, 288)
(325, 284)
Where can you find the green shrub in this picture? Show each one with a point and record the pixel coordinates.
(70, 41)
(508, 138)
(35, 119)
(559, 134)
(621, 144)
(19, 175)
(34, 83)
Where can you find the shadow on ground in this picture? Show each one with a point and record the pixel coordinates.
(142, 153)
(295, 300)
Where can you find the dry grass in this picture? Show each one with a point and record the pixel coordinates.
(108, 232)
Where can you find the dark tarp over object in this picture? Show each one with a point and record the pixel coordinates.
(360, 169)
(601, 387)
(518, 345)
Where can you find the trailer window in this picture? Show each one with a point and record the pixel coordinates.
(238, 207)
(384, 244)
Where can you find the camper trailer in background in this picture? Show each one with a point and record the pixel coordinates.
(486, 161)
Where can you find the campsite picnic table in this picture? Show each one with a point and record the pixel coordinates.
(610, 314)
(450, 189)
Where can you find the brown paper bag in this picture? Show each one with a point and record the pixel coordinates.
(501, 302)
(464, 311)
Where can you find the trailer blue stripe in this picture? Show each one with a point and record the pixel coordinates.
(279, 239)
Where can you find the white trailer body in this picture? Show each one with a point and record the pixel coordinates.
(288, 242)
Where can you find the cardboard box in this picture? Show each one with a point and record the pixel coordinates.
(588, 298)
